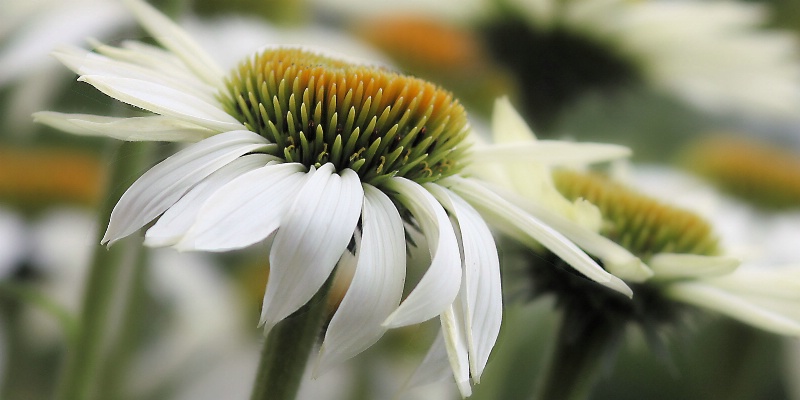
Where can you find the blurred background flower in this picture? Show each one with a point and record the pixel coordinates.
(709, 89)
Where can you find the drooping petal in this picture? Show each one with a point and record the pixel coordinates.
(675, 266)
(434, 367)
(245, 210)
(155, 128)
(439, 286)
(165, 100)
(456, 345)
(482, 294)
(525, 228)
(161, 186)
(314, 233)
(377, 285)
(177, 220)
(447, 357)
(616, 259)
(172, 37)
(727, 302)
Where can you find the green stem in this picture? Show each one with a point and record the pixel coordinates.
(287, 348)
(118, 361)
(84, 358)
(577, 358)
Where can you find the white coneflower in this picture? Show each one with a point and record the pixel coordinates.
(671, 258)
(322, 158)
(715, 55)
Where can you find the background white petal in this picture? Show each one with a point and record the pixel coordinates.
(551, 152)
(527, 229)
(671, 266)
(377, 285)
(439, 286)
(313, 235)
(434, 367)
(729, 303)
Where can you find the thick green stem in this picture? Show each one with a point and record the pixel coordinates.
(84, 358)
(577, 358)
(287, 348)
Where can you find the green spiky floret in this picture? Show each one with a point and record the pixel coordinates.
(637, 222)
(376, 122)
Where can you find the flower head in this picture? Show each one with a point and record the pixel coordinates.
(714, 55)
(325, 160)
(670, 256)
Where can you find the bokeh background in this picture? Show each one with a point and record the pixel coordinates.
(709, 89)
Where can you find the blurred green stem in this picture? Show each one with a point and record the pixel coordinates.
(287, 348)
(577, 358)
(103, 282)
(116, 366)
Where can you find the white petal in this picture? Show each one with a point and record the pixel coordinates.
(774, 281)
(527, 229)
(672, 266)
(165, 100)
(84, 62)
(155, 128)
(177, 41)
(148, 56)
(616, 259)
(377, 285)
(24, 49)
(245, 210)
(439, 286)
(434, 367)
(550, 152)
(482, 293)
(313, 235)
(515, 141)
(508, 125)
(161, 186)
(177, 220)
(455, 343)
(704, 295)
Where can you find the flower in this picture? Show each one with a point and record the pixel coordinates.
(324, 159)
(671, 257)
(762, 291)
(764, 175)
(712, 54)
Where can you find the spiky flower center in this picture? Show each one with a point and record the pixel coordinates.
(637, 222)
(376, 122)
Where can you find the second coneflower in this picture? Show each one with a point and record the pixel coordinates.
(670, 256)
(321, 158)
